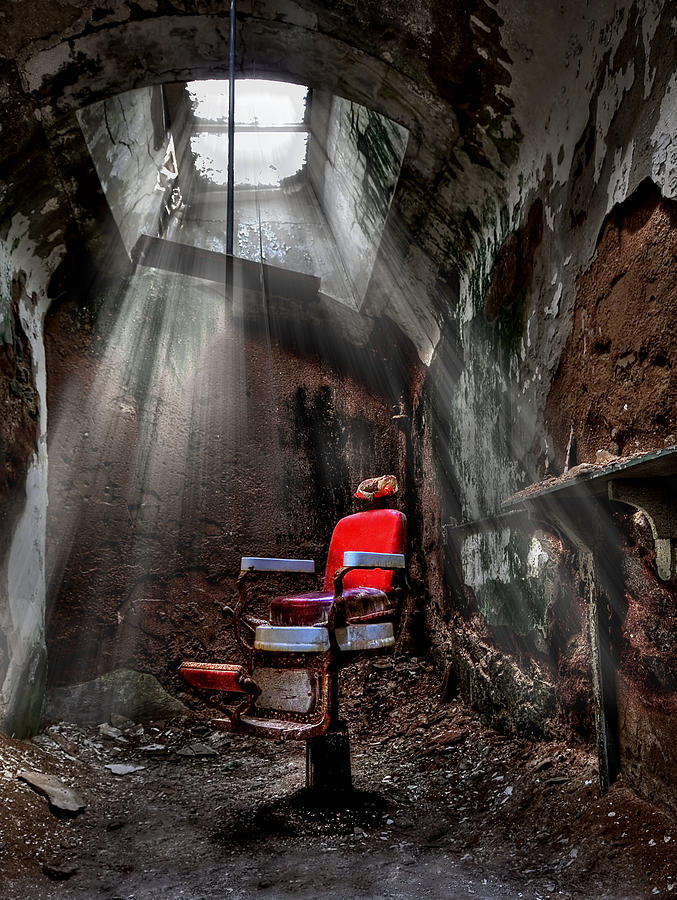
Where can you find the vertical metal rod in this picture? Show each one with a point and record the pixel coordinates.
(231, 131)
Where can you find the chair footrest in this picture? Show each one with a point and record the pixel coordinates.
(279, 729)
(218, 677)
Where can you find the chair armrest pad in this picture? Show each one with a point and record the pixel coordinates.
(272, 564)
(366, 560)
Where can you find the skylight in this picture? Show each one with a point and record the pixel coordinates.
(271, 137)
(315, 174)
(257, 102)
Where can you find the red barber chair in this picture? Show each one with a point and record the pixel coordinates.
(288, 686)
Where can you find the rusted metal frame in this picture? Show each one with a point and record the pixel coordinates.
(307, 726)
(603, 674)
(243, 599)
(657, 500)
(239, 710)
(326, 664)
(253, 622)
(301, 732)
(318, 664)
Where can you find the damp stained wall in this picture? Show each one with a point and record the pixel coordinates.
(128, 141)
(583, 159)
(23, 484)
(354, 160)
(184, 436)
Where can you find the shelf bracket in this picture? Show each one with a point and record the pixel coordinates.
(659, 505)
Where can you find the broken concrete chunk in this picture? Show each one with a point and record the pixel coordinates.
(58, 871)
(60, 797)
(125, 692)
(113, 734)
(123, 768)
(197, 750)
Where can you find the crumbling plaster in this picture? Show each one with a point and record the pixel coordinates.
(22, 616)
(593, 128)
(551, 104)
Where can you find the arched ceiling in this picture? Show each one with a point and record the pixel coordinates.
(495, 95)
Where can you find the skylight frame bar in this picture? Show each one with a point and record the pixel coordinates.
(230, 212)
(214, 126)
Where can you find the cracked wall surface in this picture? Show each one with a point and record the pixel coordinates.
(130, 148)
(354, 162)
(182, 439)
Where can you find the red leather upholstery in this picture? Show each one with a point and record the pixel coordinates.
(365, 590)
(362, 605)
(374, 531)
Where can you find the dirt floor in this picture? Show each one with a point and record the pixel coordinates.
(442, 807)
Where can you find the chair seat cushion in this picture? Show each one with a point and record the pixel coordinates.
(363, 604)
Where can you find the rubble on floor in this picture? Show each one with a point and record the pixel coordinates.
(175, 806)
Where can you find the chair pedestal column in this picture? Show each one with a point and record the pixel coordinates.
(328, 760)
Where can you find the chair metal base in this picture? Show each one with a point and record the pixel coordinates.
(328, 760)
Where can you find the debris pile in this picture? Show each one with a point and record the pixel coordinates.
(178, 804)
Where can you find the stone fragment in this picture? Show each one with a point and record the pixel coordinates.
(121, 722)
(59, 871)
(61, 798)
(604, 457)
(449, 737)
(125, 692)
(113, 734)
(196, 750)
(123, 768)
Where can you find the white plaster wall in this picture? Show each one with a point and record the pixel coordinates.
(23, 620)
(133, 174)
(337, 173)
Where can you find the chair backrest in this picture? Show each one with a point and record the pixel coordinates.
(374, 531)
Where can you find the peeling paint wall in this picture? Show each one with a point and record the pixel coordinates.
(354, 161)
(583, 157)
(24, 491)
(129, 144)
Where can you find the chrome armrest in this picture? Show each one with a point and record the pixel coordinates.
(358, 559)
(273, 564)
